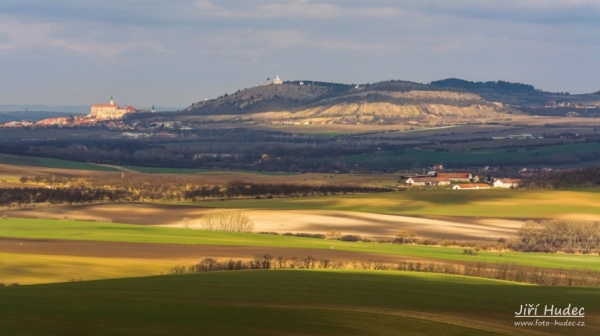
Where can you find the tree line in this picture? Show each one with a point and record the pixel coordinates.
(579, 178)
(269, 151)
(249, 189)
(21, 196)
(499, 271)
(137, 189)
(569, 236)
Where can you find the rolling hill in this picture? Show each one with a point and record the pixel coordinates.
(386, 102)
(329, 103)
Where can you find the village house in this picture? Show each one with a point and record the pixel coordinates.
(471, 186)
(215, 155)
(427, 181)
(454, 177)
(507, 183)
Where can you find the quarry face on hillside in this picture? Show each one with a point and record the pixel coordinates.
(343, 104)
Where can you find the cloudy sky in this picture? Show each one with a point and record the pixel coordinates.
(172, 53)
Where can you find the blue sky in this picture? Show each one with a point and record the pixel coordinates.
(173, 53)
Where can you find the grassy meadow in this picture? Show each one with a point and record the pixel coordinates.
(283, 302)
(27, 269)
(130, 301)
(111, 232)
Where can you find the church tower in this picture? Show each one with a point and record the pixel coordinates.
(152, 108)
(112, 102)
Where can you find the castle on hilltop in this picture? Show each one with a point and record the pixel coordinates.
(110, 110)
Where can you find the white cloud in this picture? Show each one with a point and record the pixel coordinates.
(208, 44)
(294, 9)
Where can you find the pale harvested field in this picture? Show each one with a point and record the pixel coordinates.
(294, 221)
(382, 226)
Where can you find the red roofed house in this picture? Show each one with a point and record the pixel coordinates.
(458, 177)
(427, 181)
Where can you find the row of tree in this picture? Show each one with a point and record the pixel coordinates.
(61, 195)
(580, 178)
(499, 271)
(570, 236)
(246, 189)
(135, 189)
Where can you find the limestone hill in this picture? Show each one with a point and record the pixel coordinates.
(317, 102)
(387, 102)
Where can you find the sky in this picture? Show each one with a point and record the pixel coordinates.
(174, 53)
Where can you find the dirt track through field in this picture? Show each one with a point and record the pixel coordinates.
(183, 251)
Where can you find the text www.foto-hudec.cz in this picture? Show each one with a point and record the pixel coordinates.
(549, 315)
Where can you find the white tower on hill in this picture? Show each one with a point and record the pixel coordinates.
(277, 80)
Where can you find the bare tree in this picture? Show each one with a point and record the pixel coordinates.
(333, 234)
(226, 220)
(187, 222)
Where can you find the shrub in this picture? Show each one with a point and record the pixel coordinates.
(305, 235)
(310, 235)
(470, 252)
(350, 238)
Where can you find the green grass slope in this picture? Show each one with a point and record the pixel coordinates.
(286, 303)
(50, 229)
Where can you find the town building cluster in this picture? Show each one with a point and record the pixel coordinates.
(457, 180)
(98, 112)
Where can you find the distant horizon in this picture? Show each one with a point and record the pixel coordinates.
(84, 109)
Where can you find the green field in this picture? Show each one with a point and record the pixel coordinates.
(497, 203)
(50, 163)
(292, 302)
(26, 269)
(86, 231)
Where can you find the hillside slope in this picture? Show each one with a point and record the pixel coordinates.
(316, 102)
(388, 102)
